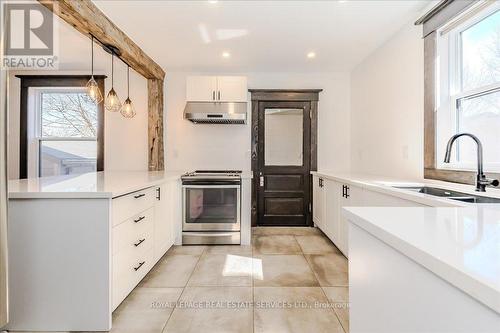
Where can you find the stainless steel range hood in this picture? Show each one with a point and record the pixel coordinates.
(216, 113)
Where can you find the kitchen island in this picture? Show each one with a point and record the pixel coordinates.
(79, 244)
(424, 269)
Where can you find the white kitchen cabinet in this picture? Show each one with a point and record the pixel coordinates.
(330, 197)
(201, 88)
(164, 218)
(350, 196)
(232, 89)
(332, 204)
(91, 250)
(318, 211)
(216, 89)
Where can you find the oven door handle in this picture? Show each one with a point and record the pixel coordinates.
(212, 234)
(211, 186)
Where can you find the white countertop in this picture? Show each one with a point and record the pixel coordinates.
(459, 242)
(460, 245)
(384, 184)
(105, 184)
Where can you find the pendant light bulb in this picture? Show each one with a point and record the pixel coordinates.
(92, 88)
(113, 103)
(128, 110)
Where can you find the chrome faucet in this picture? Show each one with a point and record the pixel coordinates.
(481, 180)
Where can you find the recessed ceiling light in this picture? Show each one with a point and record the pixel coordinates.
(226, 54)
(213, 1)
(342, 1)
(311, 55)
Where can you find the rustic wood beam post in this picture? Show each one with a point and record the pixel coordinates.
(85, 17)
(155, 124)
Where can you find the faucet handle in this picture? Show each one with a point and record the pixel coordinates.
(489, 182)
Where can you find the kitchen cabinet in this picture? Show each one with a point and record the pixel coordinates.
(91, 249)
(164, 218)
(216, 89)
(318, 210)
(330, 197)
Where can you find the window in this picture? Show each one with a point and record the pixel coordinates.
(65, 132)
(61, 128)
(468, 87)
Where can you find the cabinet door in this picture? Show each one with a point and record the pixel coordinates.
(201, 88)
(354, 198)
(163, 230)
(318, 202)
(333, 200)
(232, 89)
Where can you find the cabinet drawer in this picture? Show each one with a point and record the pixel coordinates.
(135, 234)
(128, 271)
(126, 206)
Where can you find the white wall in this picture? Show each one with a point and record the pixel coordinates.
(125, 140)
(189, 146)
(387, 106)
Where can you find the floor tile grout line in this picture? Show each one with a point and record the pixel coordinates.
(195, 266)
(333, 310)
(172, 312)
(312, 270)
(183, 289)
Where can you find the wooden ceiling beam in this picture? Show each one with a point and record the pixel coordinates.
(85, 17)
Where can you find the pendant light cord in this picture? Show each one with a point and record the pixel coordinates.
(92, 52)
(112, 69)
(128, 81)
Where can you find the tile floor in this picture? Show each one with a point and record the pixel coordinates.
(289, 280)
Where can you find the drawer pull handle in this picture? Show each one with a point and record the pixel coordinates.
(139, 196)
(140, 265)
(139, 219)
(139, 242)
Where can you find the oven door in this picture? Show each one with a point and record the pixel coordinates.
(211, 207)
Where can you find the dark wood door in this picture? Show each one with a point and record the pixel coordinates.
(283, 152)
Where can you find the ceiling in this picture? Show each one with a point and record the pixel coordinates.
(260, 35)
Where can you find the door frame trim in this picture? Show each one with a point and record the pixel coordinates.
(281, 95)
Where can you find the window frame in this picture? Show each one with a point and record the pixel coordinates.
(47, 82)
(36, 137)
(448, 14)
(450, 91)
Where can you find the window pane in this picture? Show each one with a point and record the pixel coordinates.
(67, 157)
(481, 53)
(68, 115)
(480, 116)
(283, 136)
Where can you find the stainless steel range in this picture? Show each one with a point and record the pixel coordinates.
(211, 207)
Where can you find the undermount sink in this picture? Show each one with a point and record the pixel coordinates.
(449, 194)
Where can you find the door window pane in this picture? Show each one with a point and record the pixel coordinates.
(68, 115)
(481, 53)
(480, 116)
(283, 137)
(67, 157)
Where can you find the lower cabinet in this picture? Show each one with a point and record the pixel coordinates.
(329, 197)
(142, 237)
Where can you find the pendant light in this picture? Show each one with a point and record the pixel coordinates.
(92, 88)
(113, 103)
(128, 110)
